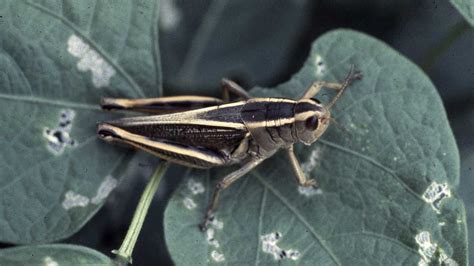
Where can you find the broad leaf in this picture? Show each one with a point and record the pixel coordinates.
(52, 255)
(204, 41)
(57, 59)
(466, 8)
(388, 172)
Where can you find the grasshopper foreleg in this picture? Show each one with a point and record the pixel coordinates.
(225, 183)
(300, 175)
(318, 85)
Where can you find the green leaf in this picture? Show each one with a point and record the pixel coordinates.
(466, 8)
(58, 254)
(392, 142)
(204, 41)
(57, 59)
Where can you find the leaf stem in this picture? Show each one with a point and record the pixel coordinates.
(124, 253)
(432, 56)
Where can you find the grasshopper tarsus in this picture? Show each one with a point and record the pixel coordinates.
(204, 225)
(205, 132)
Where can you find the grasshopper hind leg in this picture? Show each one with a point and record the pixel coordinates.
(167, 150)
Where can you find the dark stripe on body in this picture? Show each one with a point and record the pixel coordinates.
(258, 110)
(305, 107)
(227, 113)
(211, 137)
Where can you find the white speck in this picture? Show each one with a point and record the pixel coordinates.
(422, 263)
(217, 256)
(320, 66)
(170, 15)
(435, 194)
(189, 203)
(312, 161)
(89, 59)
(445, 259)
(309, 191)
(395, 159)
(195, 187)
(59, 138)
(48, 261)
(104, 190)
(211, 240)
(444, 153)
(214, 222)
(269, 245)
(73, 199)
(442, 223)
(426, 248)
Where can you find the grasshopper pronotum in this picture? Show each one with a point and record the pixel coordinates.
(205, 132)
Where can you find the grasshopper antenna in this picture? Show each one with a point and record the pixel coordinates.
(341, 127)
(351, 77)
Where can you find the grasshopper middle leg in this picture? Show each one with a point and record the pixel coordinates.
(229, 86)
(160, 105)
(225, 183)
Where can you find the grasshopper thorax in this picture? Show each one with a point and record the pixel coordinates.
(311, 120)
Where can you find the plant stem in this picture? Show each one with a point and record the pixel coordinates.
(432, 56)
(124, 254)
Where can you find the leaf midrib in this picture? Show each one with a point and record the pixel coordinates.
(51, 102)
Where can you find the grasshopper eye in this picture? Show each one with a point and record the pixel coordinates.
(311, 123)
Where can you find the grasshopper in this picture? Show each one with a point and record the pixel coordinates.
(205, 132)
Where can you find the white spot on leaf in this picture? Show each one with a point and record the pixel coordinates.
(104, 190)
(89, 59)
(216, 223)
(312, 161)
(445, 259)
(73, 199)
(212, 241)
(189, 203)
(195, 187)
(435, 194)
(59, 138)
(309, 191)
(217, 256)
(426, 248)
(48, 261)
(269, 245)
(170, 15)
(320, 66)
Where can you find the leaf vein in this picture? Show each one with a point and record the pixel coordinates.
(299, 216)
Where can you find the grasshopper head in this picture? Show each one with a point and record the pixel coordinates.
(311, 120)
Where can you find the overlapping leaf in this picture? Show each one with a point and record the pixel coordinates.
(58, 254)
(466, 8)
(57, 59)
(375, 168)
